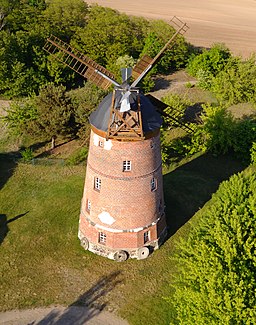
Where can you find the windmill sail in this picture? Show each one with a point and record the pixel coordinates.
(80, 63)
(125, 117)
(146, 63)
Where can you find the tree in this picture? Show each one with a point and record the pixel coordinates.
(215, 281)
(19, 117)
(55, 113)
(84, 101)
(107, 36)
(64, 17)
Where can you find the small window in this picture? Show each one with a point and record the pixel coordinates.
(146, 236)
(127, 166)
(153, 184)
(152, 145)
(88, 206)
(97, 183)
(101, 144)
(102, 238)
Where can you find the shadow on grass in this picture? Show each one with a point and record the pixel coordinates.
(87, 306)
(8, 163)
(190, 186)
(4, 224)
(3, 227)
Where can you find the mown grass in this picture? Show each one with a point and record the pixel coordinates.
(42, 262)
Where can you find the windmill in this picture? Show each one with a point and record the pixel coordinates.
(122, 211)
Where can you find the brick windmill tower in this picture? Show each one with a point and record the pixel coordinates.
(122, 210)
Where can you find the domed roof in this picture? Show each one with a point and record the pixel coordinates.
(151, 119)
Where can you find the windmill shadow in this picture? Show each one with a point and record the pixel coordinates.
(88, 306)
(190, 186)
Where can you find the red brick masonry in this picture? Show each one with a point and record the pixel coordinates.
(126, 212)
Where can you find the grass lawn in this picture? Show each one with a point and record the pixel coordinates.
(42, 262)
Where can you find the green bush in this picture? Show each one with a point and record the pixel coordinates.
(20, 115)
(209, 63)
(78, 157)
(27, 155)
(253, 153)
(216, 132)
(236, 83)
(216, 264)
(244, 135)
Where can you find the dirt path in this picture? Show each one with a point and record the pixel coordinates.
(4, 104)
(60, 316)
(230, 21)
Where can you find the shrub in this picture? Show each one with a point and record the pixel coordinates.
(27, 155)
(78, 157)
(20, 115)
(215, 280)
(210, 61)
(244, 135)
(253, 153)
(216, 132)
(236, 83)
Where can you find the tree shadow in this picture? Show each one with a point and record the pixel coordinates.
(89, 305)
(190, 186)
(4, 229)
(39, 145)
(161, 83)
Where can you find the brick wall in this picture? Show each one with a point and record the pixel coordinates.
(125, 198)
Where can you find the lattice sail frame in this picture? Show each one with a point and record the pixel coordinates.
(78, 62)
(146, 62)
(126, 125)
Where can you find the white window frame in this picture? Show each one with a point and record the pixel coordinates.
(88, 205)
(102, 238)
(153, 184)
(146, 236)
(127, 165)
(97, 183)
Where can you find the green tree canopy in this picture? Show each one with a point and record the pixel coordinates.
(55, 113)
(108, 35)
(64, 17)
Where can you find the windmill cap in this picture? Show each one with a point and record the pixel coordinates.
(151, 119)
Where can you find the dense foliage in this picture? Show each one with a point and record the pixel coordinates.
(231, 79)
(54, 112)
(236, 83)
(102, 33)
(24, 66)
(216, 282)
(219, 133)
